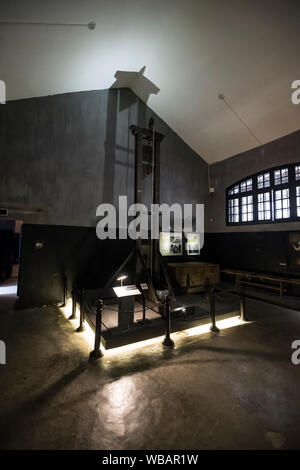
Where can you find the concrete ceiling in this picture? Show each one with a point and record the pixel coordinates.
(192, 49)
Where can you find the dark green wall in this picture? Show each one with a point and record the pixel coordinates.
(63, 155)
(227, 172)
(74, 252)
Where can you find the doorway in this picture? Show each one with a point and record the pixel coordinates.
(10, 249)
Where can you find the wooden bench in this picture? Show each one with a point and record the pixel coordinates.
(251, 279)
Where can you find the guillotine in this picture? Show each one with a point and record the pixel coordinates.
(147, 178)
(144, 265)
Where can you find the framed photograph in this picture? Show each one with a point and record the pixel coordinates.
(170, 244)
(294, 251)
(192, 244)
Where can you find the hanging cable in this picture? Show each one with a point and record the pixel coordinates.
(91, 25)
(222, 97)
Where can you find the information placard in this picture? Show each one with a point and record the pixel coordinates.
(126, 291)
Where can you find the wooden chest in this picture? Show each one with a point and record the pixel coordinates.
(194, 276)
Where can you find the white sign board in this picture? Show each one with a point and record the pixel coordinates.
(126, 291)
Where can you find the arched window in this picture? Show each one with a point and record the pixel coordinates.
(269, 196)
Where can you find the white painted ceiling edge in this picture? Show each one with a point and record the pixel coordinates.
(193, 50)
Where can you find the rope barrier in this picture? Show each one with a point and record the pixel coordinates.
(225, 296)
(93, 309)
(130, 311)
(226, 290)
(116, 310)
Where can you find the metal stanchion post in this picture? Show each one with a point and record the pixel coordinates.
(97, 353)
(207, 287)
(65, 283)
(144, 308)
(243, 316)
(212, 301)
(144, 319)
(81, 318)
(74, 298)
(167, 339)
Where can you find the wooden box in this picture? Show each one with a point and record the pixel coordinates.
(195, 276)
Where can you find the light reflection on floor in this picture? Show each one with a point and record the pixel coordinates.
(117, 404)
(8, 290)
(212, 391)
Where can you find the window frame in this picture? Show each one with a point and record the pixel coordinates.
(296, 187)
(264, 201)
(231, 213)
(291, 185)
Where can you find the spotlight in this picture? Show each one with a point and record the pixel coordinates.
(121, 279)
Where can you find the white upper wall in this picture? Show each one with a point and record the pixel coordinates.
(192, 49)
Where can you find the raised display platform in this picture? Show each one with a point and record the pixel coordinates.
(196, 311)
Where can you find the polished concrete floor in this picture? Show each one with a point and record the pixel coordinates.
(234, 390)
